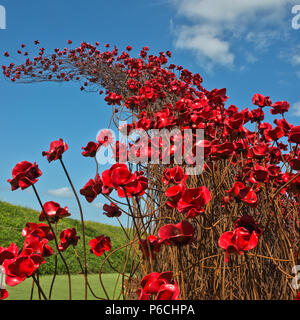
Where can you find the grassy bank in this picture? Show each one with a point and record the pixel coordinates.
(13, 220)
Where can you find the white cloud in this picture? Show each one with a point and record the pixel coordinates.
(98, 205)
(292, 56)
(229, 10)
(205, 43)
(262, 39)
(213, 26)
(296, 109)
(64, 192)
(296, 59)
(250, 57)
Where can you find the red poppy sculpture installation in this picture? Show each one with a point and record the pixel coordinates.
(227, 231)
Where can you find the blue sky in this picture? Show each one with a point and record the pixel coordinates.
(246, 46)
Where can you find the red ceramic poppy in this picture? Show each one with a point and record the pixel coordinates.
(91, 149)
(237, 241)
(261, 101)
(223, 150)
(168, 292)
(21, 267)
(244, 237)
(127, 184)
(99, 245)
(175, 194)
(273, 134)
(57, 148)
(193, 200)
(248, 223)
(280, 107)
(54, 212)
(177, 234)
(294, 135)
(152, 282)
(172, 175)
(244, 193)
(260, 173)
(113, 99)
(41, 230)
(260, 151)
(8, 253)
(92, 188)
(3, 294)
(38, 245)
(24, 175)
(149, 246)
(111, 210)
(236, 121)
(68, 237)
(295, 163)
(116, 176)
(135, 186)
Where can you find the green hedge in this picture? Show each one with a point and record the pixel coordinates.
(13, 219)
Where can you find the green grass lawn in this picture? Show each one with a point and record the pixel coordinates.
(60, 290)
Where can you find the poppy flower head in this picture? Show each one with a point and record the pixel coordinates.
(172, 175)
(148, 246)
(57, 148)
(24, 175)
(294, 135)
(152, 282)
(244, 193)
(248, 223)
(240, 239)
(177, 234)
(113, 99)
(21, 267)
(193, 200)
(41, 230)
(280, 107)
(92, 188)
(260, 173)
(91, 149)
(261, 101)
(37, 245)
(159, 284)
(54, 212)
(99, 245)
(126, 183)
(168, 291)
(3, 294)
(8, 253)
(175, 193)
(223, 150)
(273, 134)
(119, 175)
(111, 210)
(135, 186)
(68, 237)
